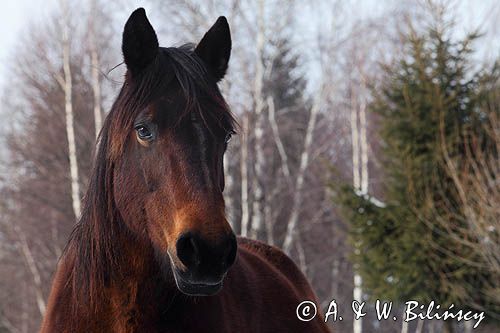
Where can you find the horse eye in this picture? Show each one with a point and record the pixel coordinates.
(144, 133)
(228, 137)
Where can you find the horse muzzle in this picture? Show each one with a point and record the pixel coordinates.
(205, 263)
(197, 289)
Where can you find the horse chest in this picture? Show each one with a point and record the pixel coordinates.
(187, 315)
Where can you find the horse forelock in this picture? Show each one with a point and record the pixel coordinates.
(183, 66)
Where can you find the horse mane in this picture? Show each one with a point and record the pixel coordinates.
(92, 249)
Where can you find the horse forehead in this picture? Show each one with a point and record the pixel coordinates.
(167, 109)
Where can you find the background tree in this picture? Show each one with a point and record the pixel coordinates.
(430, 97)
(37, 206)
(318, 61)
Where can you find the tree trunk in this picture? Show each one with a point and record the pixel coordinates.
(277, 138)
(68, 106)
(356, 176)
(420, 326)
(269, 213)
(25, 307)
(363, 145)
(228, 175)
(468, 327)
(245, 214)
(228, 199)
(432, 326)
(360, 174)
(257, 204)
(335, 279)
(357, 294)
(33, 268)
(404, 327)
(95, 65)
(299, 184)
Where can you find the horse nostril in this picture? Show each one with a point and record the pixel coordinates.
(187, 250)
(199, 255)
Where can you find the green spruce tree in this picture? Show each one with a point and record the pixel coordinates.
(429, 99)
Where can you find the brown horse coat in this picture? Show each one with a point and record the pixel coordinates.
(153, 250)
(260, 294)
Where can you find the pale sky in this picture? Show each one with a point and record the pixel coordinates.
(16, 14)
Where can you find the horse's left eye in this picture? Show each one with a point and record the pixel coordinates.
(144, 133)
(228, 137)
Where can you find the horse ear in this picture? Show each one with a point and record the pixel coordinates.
(215, 48)
(139, 44)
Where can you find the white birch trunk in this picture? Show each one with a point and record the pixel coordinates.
(269, 213)
(245, 214)
(432, 327)
(468, 327)
(357, 294)
(356, 176)
(55, 237)
(95, 65)
(420, 326)
(269, 222)
(25, 306)
(302, 256)
(228, 200)
(334, 280)
(358, 180)
(68, 106)
(363, 145)
(299, 184)
(10, 327)
(228, 176)
(269, 218)
(33, 268)
(404, 327)
(277, 138)
(257, 204)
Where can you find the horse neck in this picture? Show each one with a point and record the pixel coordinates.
(143, 289)
(138, 270)
(135, 277)
(136, 292)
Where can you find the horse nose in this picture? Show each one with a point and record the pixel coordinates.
(197, 253)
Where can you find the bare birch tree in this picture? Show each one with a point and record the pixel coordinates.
(291, 228)
(66, 83)
(359, 170)
(52, 86)
(245, 211)
(95, 66)
(258, 129)
(33, 268)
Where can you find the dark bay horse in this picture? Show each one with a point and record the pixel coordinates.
(153, 251)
